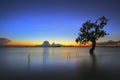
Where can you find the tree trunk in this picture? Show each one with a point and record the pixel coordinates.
(93, 47)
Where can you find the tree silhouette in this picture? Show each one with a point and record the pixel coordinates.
(92, 31)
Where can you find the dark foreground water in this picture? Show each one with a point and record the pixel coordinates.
(62, 63)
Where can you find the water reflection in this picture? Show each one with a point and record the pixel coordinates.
(93, 62)
(45, 55)
(65, 63)
(29, 61)
(68, 57)
(91, 71)
(73, 57)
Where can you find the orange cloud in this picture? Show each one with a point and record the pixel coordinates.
(4, 41)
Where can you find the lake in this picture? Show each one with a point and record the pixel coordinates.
(59, 63)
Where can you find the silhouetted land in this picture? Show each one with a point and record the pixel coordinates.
(53, 46)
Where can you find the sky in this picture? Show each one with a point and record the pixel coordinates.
(34, 21)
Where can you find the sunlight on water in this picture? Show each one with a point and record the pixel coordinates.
(19, 57)
(37, 57)
(47, 60)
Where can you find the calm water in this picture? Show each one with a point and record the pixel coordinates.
(60, 63)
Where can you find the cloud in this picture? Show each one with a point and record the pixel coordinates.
(4, 41)
(109, 43)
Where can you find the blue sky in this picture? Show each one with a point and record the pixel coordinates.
(55, 20)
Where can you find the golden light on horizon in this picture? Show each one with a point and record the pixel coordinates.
(87, 44)
(29, 43)
(21, 43)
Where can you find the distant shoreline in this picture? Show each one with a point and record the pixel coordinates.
(52, 46)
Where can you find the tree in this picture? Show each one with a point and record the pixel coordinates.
(92, 31)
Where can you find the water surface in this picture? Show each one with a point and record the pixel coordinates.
(59, 63)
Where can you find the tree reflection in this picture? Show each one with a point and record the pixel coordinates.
(91, 71)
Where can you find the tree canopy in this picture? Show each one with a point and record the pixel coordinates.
(92, 31)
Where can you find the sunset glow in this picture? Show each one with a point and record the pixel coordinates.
(31, 23)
